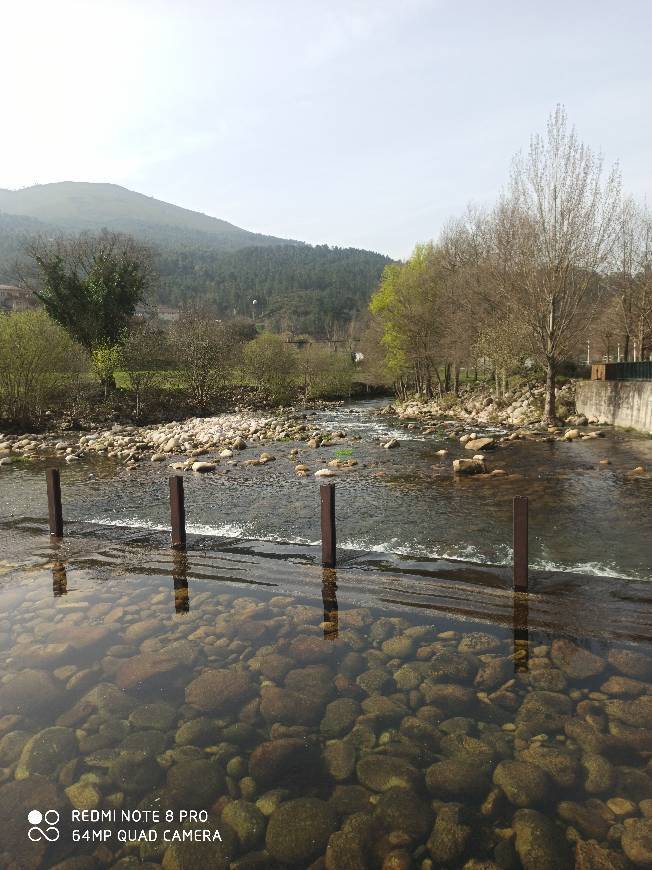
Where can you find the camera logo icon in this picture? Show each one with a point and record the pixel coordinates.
(43, 826)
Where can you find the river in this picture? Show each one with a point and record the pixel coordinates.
(584, 516)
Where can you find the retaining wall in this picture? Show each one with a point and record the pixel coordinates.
(621, 403)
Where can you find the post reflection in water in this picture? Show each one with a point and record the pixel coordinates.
(521, 635)
(180, 578)
(329, 599)
(59, 579)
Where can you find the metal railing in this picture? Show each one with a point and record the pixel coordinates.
(623, 371)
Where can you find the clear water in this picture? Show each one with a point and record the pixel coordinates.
(338, 719)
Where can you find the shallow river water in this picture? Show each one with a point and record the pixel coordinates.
(237, 706)
(308, 718)
(583, 515)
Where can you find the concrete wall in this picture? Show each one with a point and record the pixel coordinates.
(621, 403)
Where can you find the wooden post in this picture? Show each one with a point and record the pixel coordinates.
(328, 556)
(520, 541)
(177, 513)
(55, 512)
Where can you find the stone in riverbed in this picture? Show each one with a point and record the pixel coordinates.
(339, 717)
(542, 712)
(46, 751)
(12, 745)
(637, 841)
(600, 775)
(298, 831)
(288, 761)
(28, 692)
(339, 758)
(524, 784)
(457, 780)
(203, 467)
(160, 716)
(588, 821)
(288, 707)
(449, 836)
(479, 444)
(135, 772)
(216, 855)
(590, 856)
(17, 799)
(247, 821)
(561, 766)
(195, 784)
(382, 772)
(469, 466)
(401, 809)
(84, 796)
(197, 732)
(637, 713)
(540, 843)
(451, 667)
(575, 661)
(631, 663)
(223, 691)
(148, 667)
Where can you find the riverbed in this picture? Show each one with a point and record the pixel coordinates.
(238, 707)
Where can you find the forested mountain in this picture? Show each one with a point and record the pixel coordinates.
(300, 287)
(200, 259)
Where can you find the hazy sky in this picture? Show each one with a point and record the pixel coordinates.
(352, 123)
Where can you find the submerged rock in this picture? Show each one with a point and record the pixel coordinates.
(457, 780)
(224, 691)
(29, 692)
(401, 809)
(299, 830)
(289, 761)
(540, 844)
(575, 661)
(449, 836)
(46, 751)
(382, 772)
(524, 784)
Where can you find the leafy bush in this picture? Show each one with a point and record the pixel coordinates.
(272, 365)
(38, 362)
(327, 375)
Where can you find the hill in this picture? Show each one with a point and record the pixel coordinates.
(200, 259)
(77, 206)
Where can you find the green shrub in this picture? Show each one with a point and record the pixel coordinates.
(39, 364)
(271, 363)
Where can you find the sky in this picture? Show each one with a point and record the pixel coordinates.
(344, 122)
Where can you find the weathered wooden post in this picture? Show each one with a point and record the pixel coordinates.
(177, 513)
(55, 512)
(328, 555)
(520, 541)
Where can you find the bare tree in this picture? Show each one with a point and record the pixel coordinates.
(553, 233)
(633, 279)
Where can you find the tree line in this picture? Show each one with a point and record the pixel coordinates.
(561, 257)
(88, 333)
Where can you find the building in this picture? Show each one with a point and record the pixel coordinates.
(17, 298)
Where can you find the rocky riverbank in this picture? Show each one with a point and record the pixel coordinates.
(476, 405)
(197, 443)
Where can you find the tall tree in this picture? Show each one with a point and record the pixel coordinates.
(91, 285)
(553, 233)
(633, 279)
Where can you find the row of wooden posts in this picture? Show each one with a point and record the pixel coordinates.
(328, 532)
